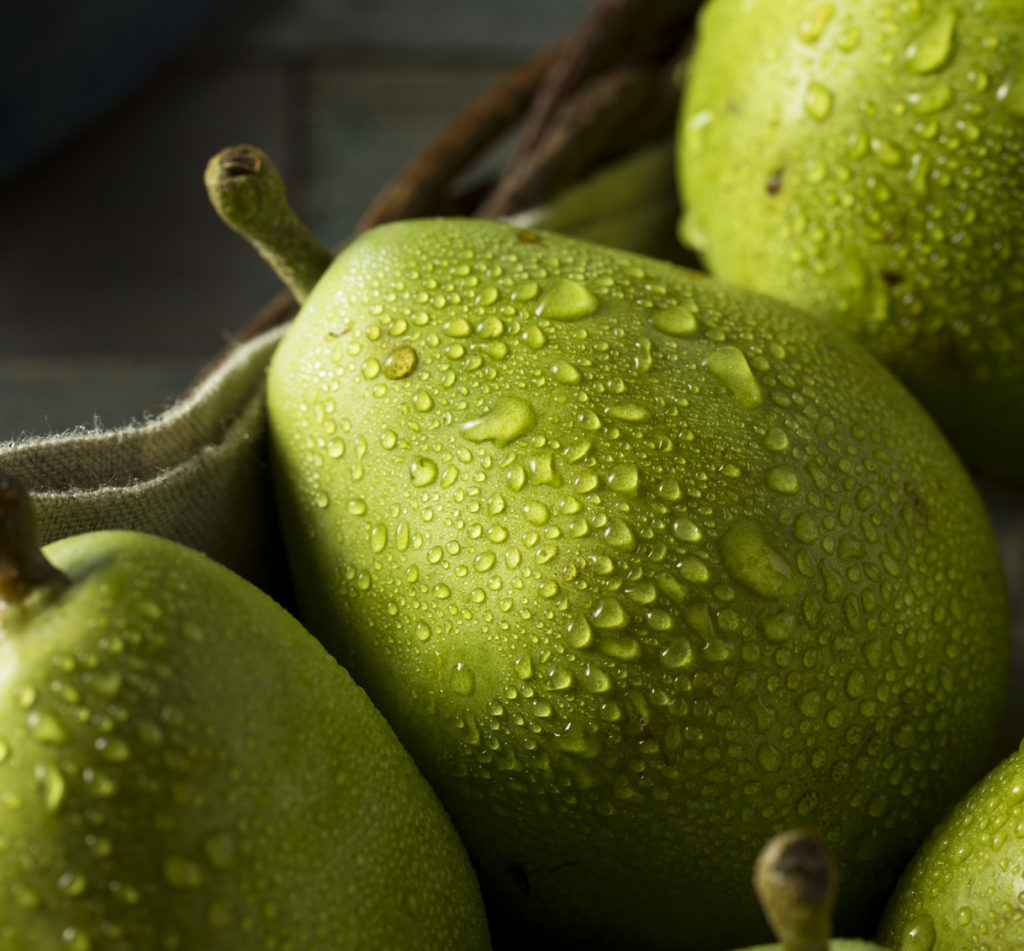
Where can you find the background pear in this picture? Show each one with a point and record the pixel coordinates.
(865, 160)
(965, 887)
(183, 766)
(640, 567)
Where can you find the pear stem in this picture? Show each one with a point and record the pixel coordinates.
(797, 882)
(246, 190)
(23, 568)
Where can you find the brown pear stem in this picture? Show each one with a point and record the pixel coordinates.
(248, 193)
(796, 882)
(23, 568)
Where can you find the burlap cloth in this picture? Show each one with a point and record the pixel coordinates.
(197, 473)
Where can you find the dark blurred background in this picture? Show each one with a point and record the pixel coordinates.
(117, 280)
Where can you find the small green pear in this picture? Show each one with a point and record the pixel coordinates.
(183, 766)
(965, 886)
(640, 567)
(796, 882)
(865, 160)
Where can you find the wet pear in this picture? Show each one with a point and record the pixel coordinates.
(865, 160)
(965, 887)
(640, 567)
(183, 766)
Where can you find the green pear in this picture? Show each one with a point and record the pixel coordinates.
(796, 882)
(640, 567)
(865, 160)
(183, 766)
(965, 886)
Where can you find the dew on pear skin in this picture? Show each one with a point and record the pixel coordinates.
(565, 372)
(750, 558)
(400, 363)
(933, 45)
(731, 367)
(182, 872)
(676, 321)
(46, 728)
(566, 299)
(814, 23)
(818, 101)
(422, 471)
(919, 935)
(508, 419)
(1011, 92)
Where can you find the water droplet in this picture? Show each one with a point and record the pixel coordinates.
(461, 680)
(609, 614)
(565, 372)
(750, 558)
(769, 758)
(379, 538)
(509, 418)
(457, 327)
(628, 412)
(576, 739)
(113, 749)
(817, 101)
(400, 362)
(933, 99)
(220, 850)
(422, 471)
(182, 872)
(619, 535)
(813, 25)
(51, 785)
(1011, 93)
(933, 45)
(46, 728)
(779, 627)
(783, 479)
(566, 299)
(919, 934)
(72, 883)
(679, 653)
(731, 367)
(686, 530)
(676, 321)
(75, 940)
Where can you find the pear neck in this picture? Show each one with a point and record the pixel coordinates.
(24, 569)
(247, 192)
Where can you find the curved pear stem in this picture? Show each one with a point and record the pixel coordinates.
(23, 568)
(248, 193)
(796, 882)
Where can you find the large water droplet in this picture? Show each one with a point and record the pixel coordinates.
(813, 24)
(919, 934)
(731, 367)
(1011, 93)
(817, 101)
(182, 872)
(677, 321)
(422, 471)
(509, 418)
(566, 299)
(400, 362)
(461, 679)
(933, 45)
(750, 558)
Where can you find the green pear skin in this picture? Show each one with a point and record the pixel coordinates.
(182, 766)
(965, 886)
(865, 160)
(641, 569)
